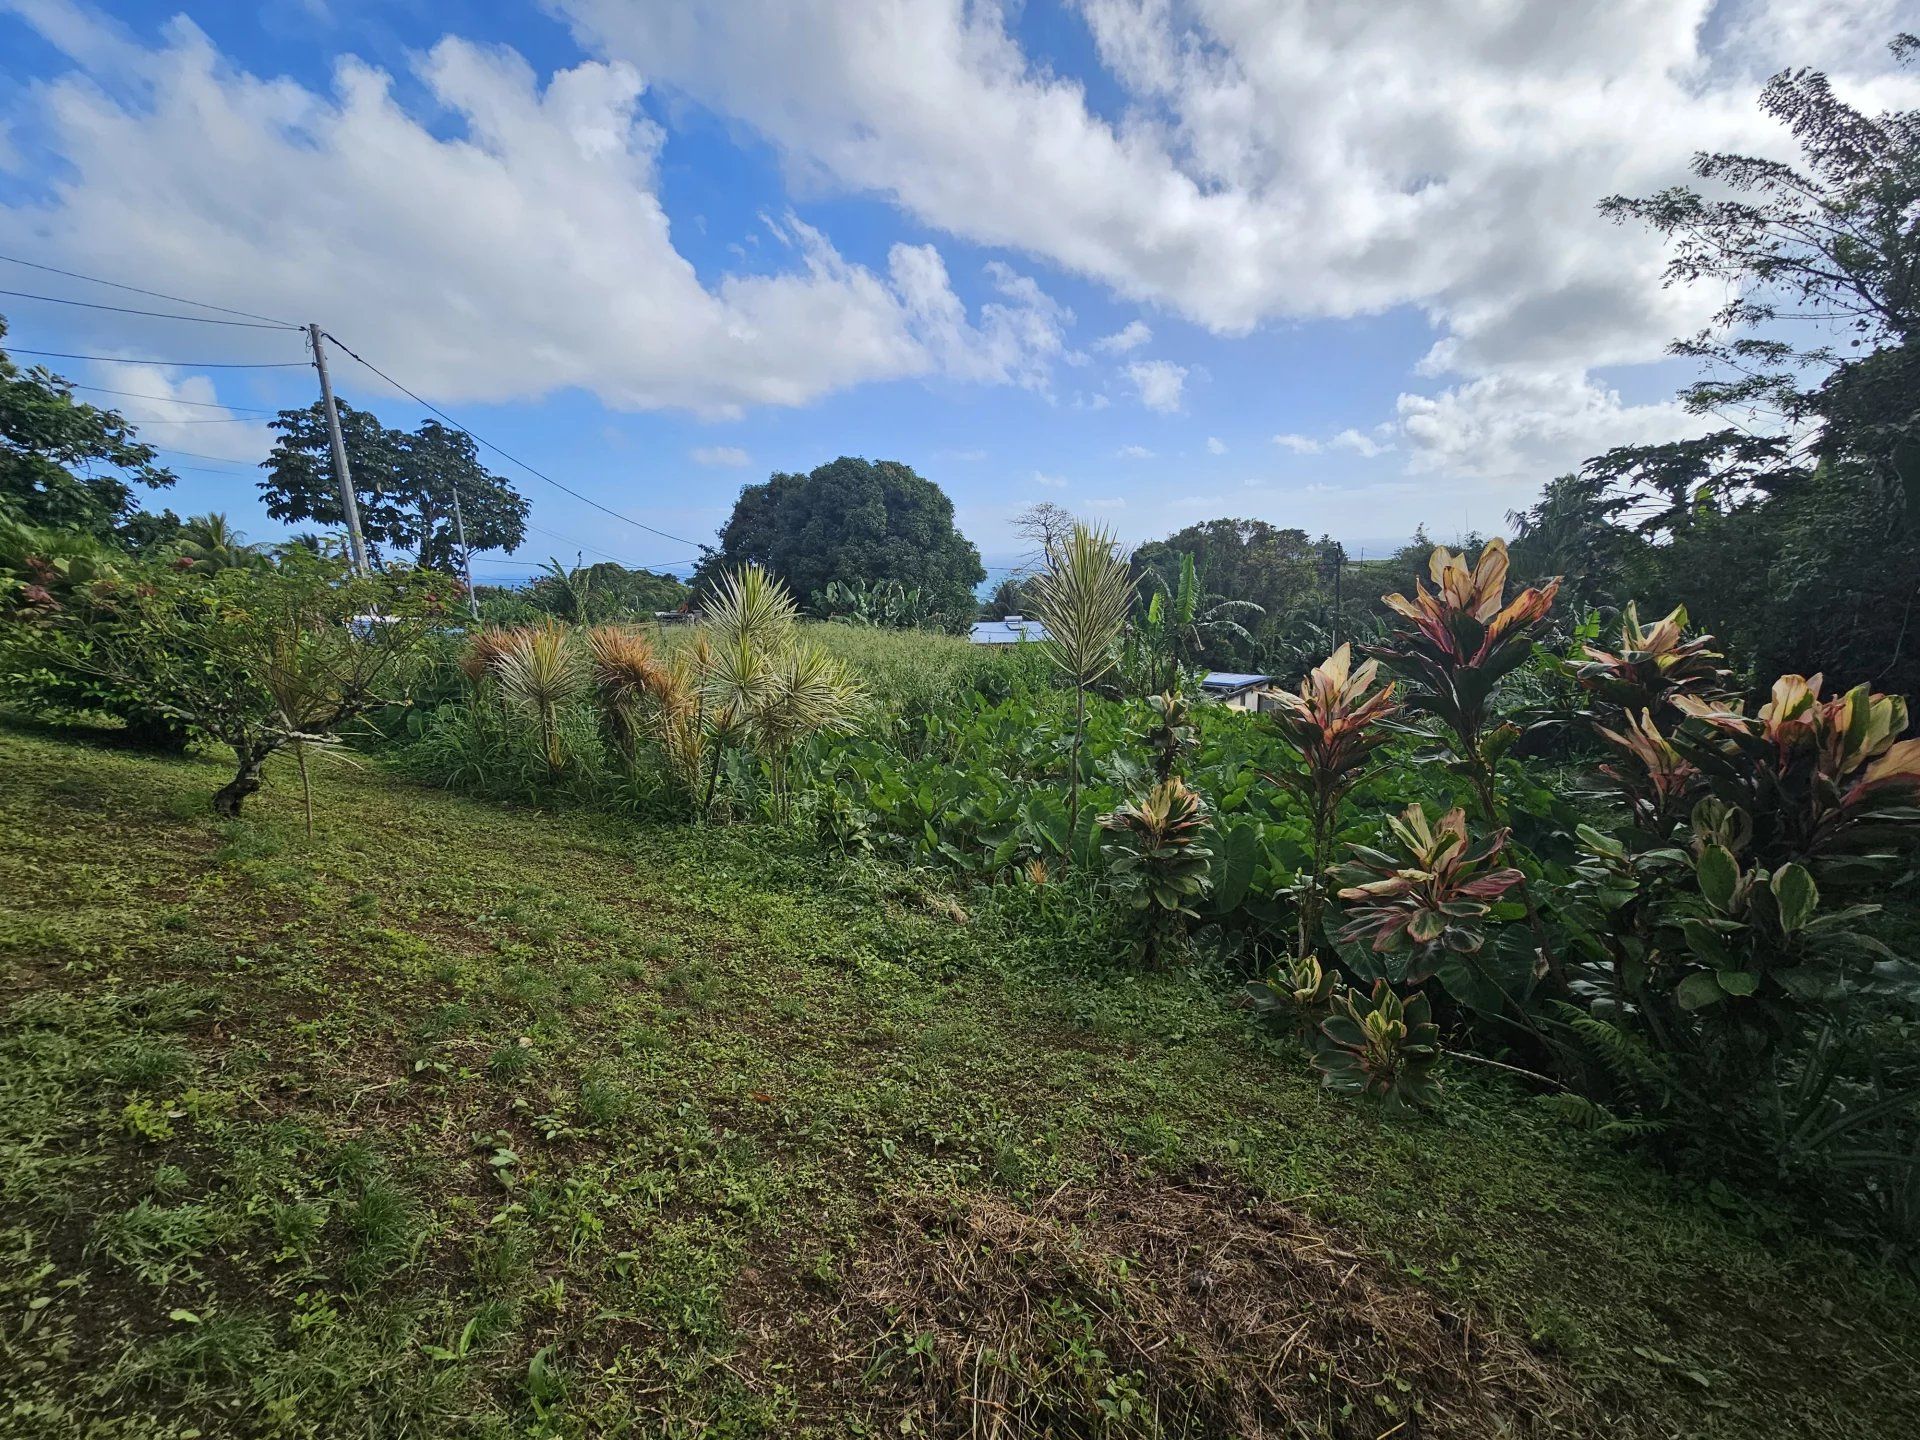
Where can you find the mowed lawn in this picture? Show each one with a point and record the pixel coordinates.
(466, 1120)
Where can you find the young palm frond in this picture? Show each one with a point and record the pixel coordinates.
(749, 605)
(1083, 600)
(541, 675)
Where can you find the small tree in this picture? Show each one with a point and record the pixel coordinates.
(1083, 600)
(259, 658)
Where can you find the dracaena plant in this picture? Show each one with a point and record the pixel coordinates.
(1454, 645)
(1382, 1046)
(1298, 991)
(1655, 665)
(1336, 721)
(1657, 782)
(1156, 857)
(1819, 778)
(1427, 896)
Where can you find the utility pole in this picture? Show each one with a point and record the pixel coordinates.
(466, 555)
(356, 546)
(1339, 615)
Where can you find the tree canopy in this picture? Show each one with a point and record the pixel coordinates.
(1244, 560)
(852, 520)
(404, 482)
(51, 450)
(1797, 523)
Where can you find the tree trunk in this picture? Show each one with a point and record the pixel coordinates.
(246, 780)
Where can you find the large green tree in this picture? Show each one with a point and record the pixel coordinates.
(1794, 528)
(404, 482)
(1277, 569)
(851, 520)
(64, 464)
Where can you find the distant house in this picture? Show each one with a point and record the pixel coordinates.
(1236, 691)
(1010, 631)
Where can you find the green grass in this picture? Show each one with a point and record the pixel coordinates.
(468, 1119)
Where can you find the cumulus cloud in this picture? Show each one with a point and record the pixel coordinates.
(178, 411)
(1291, 159)
(1129, 338)
(1159, 383)
(729, 456)
(1133, 452)
(1216, 446)
(1365, 446)
(503, 240)
(1052, 482)
(1298, 444)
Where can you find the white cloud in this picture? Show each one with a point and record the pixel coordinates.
(1109, 502)
(1298, 444)
(1289, 159)
(1129, 338)
(1216, 446)
(503, 241)
(1160, 383)
(1052, 482)
(1518, 429)
(1365, 446)
(177, 411)
(731, 456)
(1133, 452)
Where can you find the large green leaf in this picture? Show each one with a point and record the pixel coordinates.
(1719, 876)
(1236, 855)
(1799, 897)
(1699, 990)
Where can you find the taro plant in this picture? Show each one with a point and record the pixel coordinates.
(1083, 598)
(1336, 721)
(1157, 860)
(1382, 1046)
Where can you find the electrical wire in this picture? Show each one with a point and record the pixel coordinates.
(477, 439)
(154, 314)
(169, 400)
(176, 364)
(196, 455)
(152, 294)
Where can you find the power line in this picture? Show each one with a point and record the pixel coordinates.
(564, 489)
(177, 364)
(168, 400)
(155, 314)
(153, 294)
(196, 455)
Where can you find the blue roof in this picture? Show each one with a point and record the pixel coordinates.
(1010, 631)
(1231, 680)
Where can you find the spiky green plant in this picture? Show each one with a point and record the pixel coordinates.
(539, 677)
(1083, 599)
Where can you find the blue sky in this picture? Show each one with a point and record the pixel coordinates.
(1153, 260)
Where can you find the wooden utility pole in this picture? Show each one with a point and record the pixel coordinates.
(466, 555)
(356, 545)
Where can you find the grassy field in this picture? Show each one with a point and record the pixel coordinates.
(465, 1119)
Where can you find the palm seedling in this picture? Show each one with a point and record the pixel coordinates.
(1083, 598)
(539, 677)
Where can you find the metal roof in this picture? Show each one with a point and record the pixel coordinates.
(1010, 631)
(1231, 680)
